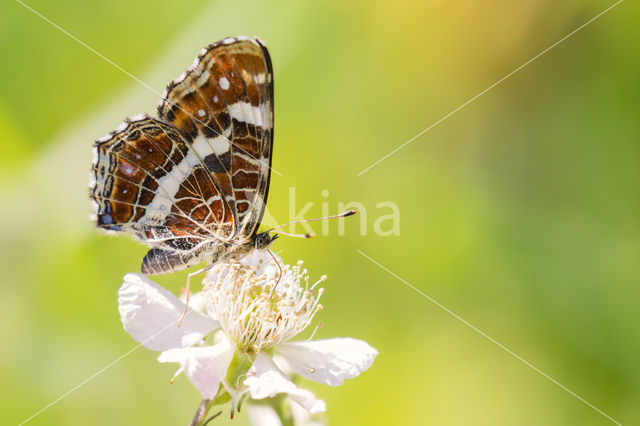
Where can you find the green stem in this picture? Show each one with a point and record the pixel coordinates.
(283, 411)
(282, 408)
(200, 419)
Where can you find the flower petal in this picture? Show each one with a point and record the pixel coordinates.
(197, 301)
(262, 415)
(204, 366)
(301, 417)
(266, 380)
(329, 361)
(149, 313)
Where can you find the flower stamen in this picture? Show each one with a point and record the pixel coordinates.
(255, 312)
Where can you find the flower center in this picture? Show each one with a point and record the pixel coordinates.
(257, 308)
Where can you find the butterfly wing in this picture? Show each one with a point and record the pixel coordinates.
(148, 182)
(225, 101)
(199, 175)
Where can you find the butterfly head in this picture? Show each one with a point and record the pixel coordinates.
(264, 240)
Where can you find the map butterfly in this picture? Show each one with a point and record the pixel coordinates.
(193, 182)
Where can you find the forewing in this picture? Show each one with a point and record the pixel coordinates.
(145, 180)
(223, 107)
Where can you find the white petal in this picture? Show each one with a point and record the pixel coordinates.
(266, 380)
(302, 417)
(329, 361)
(204, 366)
(149, 313)
(262, 415)
(197, 301)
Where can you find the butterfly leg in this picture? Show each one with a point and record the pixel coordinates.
(279, 267)
(188, 291)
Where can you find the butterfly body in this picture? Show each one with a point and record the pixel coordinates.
(193, 182)
(157, 260)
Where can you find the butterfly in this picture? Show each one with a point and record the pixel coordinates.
(192, 183)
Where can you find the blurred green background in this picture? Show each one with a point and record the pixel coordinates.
(520, 212)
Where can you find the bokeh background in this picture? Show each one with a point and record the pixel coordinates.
(520, 212)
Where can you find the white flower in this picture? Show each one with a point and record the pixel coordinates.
(258, 310)
(150, 314)
(263, 413)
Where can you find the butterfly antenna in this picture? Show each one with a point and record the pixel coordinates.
(309, 235)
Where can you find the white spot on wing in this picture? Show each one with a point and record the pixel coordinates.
(249, 159)
(261, 78)
(224, 83)
(201, 112)
(94, 155)
(202, 78)
(181, 77)
(122, 127)
(247, 113)
(203, 146)
(127, 169)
